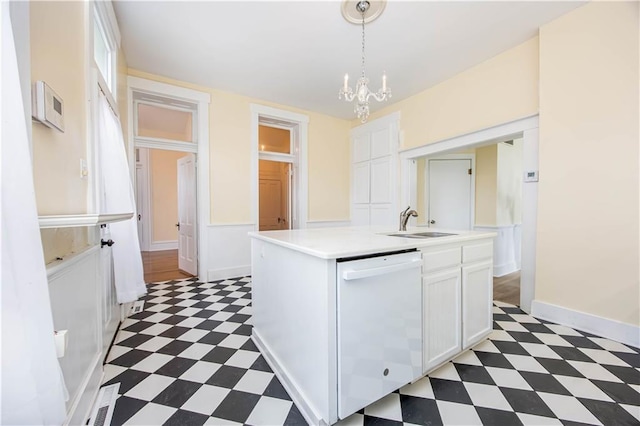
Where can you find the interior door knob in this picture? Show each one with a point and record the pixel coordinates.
(432, 221)
(178, 225)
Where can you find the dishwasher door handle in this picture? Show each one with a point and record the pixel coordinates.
(366, 273)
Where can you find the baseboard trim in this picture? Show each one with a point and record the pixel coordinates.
(221, 274)
(163, 245)
(504, 269)
(611, 329)
(293, 391)
(80, 409)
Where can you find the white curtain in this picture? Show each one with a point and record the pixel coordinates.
(33, 392)
(118, 197)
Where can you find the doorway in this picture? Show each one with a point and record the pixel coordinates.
(166, 205)
(521, 231)
(279, 168)
(164, 136)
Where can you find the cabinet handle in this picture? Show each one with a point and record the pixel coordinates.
(109, 243)
(366, 273)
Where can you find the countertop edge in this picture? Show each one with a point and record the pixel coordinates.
(417, 244)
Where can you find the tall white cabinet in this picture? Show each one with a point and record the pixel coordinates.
(374, 175)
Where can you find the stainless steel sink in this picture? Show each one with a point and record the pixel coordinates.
(421, 235)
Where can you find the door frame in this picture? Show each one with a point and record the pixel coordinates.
(527, 129)
(472, 195)
(142, 163)
(201, 102)
(298, 124)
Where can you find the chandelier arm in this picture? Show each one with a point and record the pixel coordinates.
(379, 96)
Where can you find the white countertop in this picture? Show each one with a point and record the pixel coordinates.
(333, 243)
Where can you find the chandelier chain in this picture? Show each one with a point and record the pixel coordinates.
(362, 43)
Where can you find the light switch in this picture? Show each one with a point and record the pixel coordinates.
(84, 171)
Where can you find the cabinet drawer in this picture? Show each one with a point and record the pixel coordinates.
(472, 253)
(441, 259)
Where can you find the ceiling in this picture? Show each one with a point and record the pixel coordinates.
(296, 53)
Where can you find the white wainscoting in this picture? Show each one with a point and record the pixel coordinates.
(74, 289)
(163, 245)
(506, 248)
(611, 329)
(328, 223)
(229, 250)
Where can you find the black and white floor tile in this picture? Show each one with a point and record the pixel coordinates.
(188, 359)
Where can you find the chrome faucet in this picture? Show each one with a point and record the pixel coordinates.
(404, 217)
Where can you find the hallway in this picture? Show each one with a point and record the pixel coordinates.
(507, 288)
(162, 266)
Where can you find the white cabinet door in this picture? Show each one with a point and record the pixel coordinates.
(380, 143)
(381, 215)
(360, 215)
(361, 183)
(381, 180)
(361, 148)
(477, 302)
(374, 171)
(441, 314)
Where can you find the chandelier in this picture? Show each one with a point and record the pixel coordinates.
(362, 92)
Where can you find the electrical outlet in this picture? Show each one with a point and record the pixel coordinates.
(84, 171)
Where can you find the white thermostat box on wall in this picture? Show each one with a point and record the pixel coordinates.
(48, 107)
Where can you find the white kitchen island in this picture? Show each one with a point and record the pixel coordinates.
(345, 316)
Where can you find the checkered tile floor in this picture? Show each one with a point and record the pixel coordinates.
(188, 359)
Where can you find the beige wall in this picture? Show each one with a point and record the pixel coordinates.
(59, 60)
(501, 89)
(486, 185)
(163, 170)
(56, 156)
(230, 157)
(587, 246)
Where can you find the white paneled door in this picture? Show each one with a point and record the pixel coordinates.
(450, 194)
(373, 173)
(187, 243)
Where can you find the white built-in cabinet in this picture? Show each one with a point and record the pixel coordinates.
(457, 291)
(374, 157)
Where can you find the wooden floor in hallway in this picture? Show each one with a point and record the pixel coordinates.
(507, 288)
(162, 266)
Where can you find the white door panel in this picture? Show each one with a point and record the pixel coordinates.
(381, 182)
(442, 325)
(187, 243)
(450, 194)
(477, 297)
(380, 143)
(381, 215)
(360, 215)
(361, 149)
(361, 183)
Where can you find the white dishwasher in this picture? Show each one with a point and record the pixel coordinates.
(379, 326)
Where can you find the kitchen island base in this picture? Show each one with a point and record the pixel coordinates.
(297, 298)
